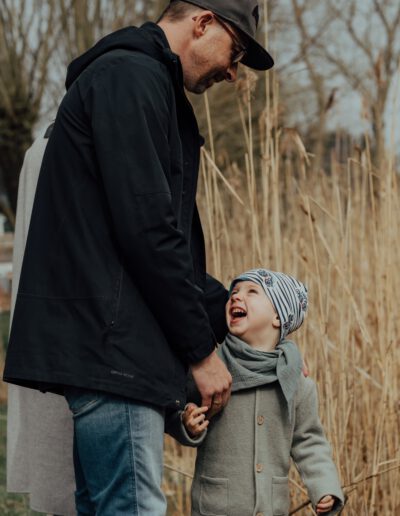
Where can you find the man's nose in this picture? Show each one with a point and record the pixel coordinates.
(231, 73)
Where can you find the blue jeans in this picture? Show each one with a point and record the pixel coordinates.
(118, 455)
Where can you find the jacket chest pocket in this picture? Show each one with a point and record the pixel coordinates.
(213, 496)
(280, 496)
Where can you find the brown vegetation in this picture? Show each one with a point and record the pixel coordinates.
(332, 231)
(266, 201)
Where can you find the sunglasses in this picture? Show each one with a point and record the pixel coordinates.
(239, 50)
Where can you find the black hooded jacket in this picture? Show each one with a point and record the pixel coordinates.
(113, 292)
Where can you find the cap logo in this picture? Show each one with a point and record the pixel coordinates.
(267, 278)
(302, 299)
(256, 15)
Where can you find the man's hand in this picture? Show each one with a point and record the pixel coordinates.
(214, 383)
(194, 419)
(325, 504)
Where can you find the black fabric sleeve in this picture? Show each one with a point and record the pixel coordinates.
(216, 299)
(129, 106)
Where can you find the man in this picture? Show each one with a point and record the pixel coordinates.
(114, 304)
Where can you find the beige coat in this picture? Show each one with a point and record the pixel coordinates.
(243, 464)
(39, 426)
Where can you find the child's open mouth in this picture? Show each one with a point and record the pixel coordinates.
(237, 313)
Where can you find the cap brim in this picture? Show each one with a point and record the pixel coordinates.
(256, 56)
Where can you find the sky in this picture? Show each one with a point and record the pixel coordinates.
(347, 111)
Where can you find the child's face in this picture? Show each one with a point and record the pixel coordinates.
(251, 316)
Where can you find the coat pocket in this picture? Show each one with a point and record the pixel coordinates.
(213, 496)
(280, 496)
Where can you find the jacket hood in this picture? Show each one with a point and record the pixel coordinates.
(149, 39)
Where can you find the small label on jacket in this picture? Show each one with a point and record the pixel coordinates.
(120, 373)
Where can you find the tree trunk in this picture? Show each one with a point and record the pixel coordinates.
(15, 138)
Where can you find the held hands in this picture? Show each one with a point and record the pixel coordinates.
(325, 504)
(214, 383)
(194, 419)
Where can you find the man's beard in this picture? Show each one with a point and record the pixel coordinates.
(202, 84)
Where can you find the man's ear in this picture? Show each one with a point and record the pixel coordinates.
(202, 22)
(276, 323)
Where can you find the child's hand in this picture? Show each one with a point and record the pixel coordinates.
(194, 419)
(325, 504)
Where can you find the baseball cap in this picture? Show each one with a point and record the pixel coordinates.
(244, 15)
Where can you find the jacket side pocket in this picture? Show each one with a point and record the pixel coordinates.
(81, 401)
(213, 496)
(280, 496)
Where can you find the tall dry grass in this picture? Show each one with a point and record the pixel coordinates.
(338, 231)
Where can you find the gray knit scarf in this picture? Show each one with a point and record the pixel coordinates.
(251, 368)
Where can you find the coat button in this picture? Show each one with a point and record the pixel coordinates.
(260, 421)
(259, 468)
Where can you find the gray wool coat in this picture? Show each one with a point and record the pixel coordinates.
(243, 462)
(39, 426)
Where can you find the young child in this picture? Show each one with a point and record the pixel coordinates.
(244, 452)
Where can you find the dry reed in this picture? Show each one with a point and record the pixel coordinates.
(337, 230)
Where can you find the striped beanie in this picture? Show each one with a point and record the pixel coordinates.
(287, 295)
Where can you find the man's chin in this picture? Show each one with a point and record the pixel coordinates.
(198, 90)
(200, 87)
